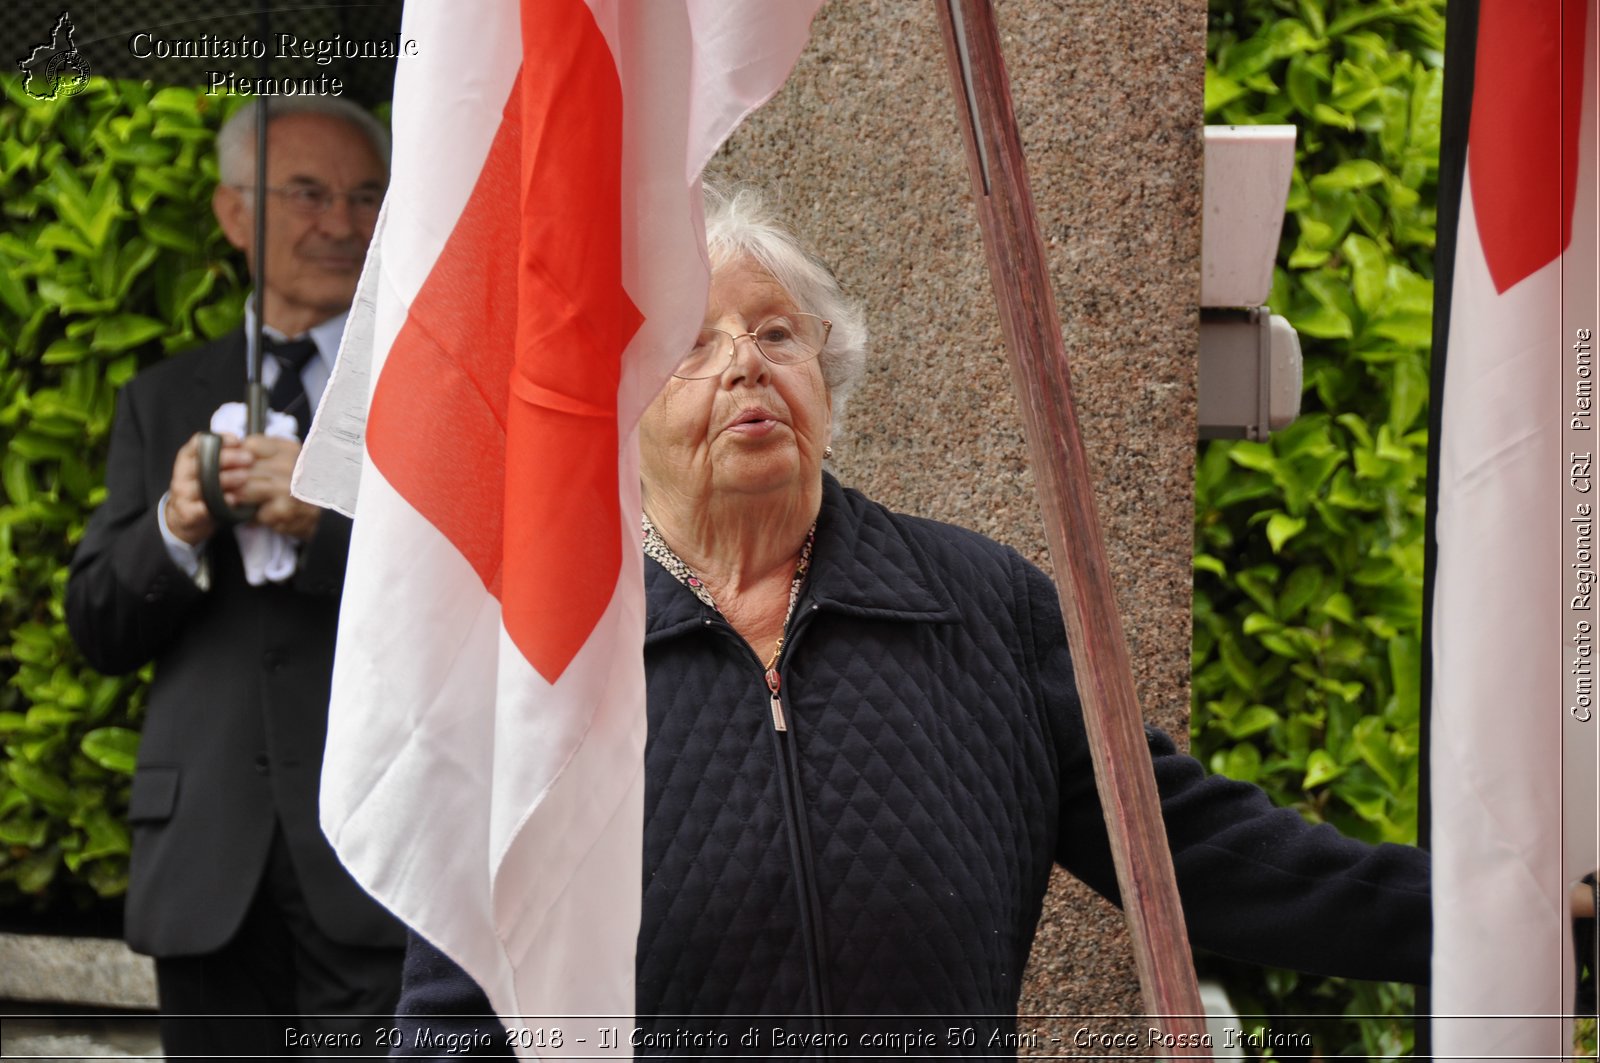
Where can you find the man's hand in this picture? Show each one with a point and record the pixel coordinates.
(187, 516)
(266, 486)
(1581, 899)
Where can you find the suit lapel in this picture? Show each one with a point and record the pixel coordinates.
(218, 378)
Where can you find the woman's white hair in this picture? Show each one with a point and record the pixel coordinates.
(739, 224)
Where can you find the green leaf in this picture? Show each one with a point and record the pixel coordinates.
(71, 299)
(120, 371)
(150, 185)
(1303, 83)
(1257, 582)
(1368, 271)
(35, 873)
(1256, 623)
(1253, 720)
(1242, 762)
(64, 352)
(218, 318)
(1320, 770)
(1288, 37)
(58, 237)
(1372, 742)
(1220, 91)
(1408, 393)
(1313, 12)
(1329, 116)
(175, 100)
(1405, 673)
(36, 447)
(104, 697)
(12, 293)
(189, 288)
(108, 878)
(140, 150)
(165, 228)
(105, 836)
(113, 748)
(1281, 528)
(40, 784)
(29, 833)
(1410, 328)
(16, 478)
(1303, 584)
(100, 210)
(133, 259)
(1289, 644)
(1253, 455)
(1323, 322)
(1238, 665)
(1246, 58)
(123, 331)
(1315, 235)
(44, 717)
(1427, 104)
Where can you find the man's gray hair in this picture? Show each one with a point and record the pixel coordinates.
(739, 224)
(236, 140)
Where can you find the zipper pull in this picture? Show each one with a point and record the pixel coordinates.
(778, 723)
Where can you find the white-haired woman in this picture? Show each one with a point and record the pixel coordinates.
(866, 749)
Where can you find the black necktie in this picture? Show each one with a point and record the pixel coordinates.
(288, 395)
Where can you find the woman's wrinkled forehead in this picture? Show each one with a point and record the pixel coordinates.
(743, 288)
(780, 259)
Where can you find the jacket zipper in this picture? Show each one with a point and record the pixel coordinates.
(773, 681)
(800, 855)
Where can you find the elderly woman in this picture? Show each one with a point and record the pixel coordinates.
(866, 750)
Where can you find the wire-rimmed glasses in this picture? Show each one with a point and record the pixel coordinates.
(786, 339)
(311, 198)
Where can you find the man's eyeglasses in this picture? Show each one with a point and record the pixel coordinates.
(789, 339)
(306, 197)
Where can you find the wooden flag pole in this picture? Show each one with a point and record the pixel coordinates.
(1038, 356)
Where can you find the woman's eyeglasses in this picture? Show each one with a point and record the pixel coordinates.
(788, 339)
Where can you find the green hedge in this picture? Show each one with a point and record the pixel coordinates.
(109, 259)
(1309, 548)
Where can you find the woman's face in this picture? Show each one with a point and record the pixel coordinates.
(755, 428)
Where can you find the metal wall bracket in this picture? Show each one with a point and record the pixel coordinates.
(1250, 373)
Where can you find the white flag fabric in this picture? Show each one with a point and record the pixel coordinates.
(539, 267)
(1511, 741)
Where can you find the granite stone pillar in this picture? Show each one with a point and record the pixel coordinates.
(862, 154)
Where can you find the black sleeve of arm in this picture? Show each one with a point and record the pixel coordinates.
(321, 570)
(125, 595)
(1257, 882)
(442, 1013)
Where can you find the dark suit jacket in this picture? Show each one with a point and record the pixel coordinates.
(237, 715)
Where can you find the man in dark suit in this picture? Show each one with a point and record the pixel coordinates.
(233, 887)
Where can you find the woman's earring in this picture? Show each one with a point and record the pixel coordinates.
(827, 452)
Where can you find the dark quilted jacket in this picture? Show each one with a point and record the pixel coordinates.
(888, 854)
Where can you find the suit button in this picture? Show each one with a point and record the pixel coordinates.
(262, 764)
(273, 660)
